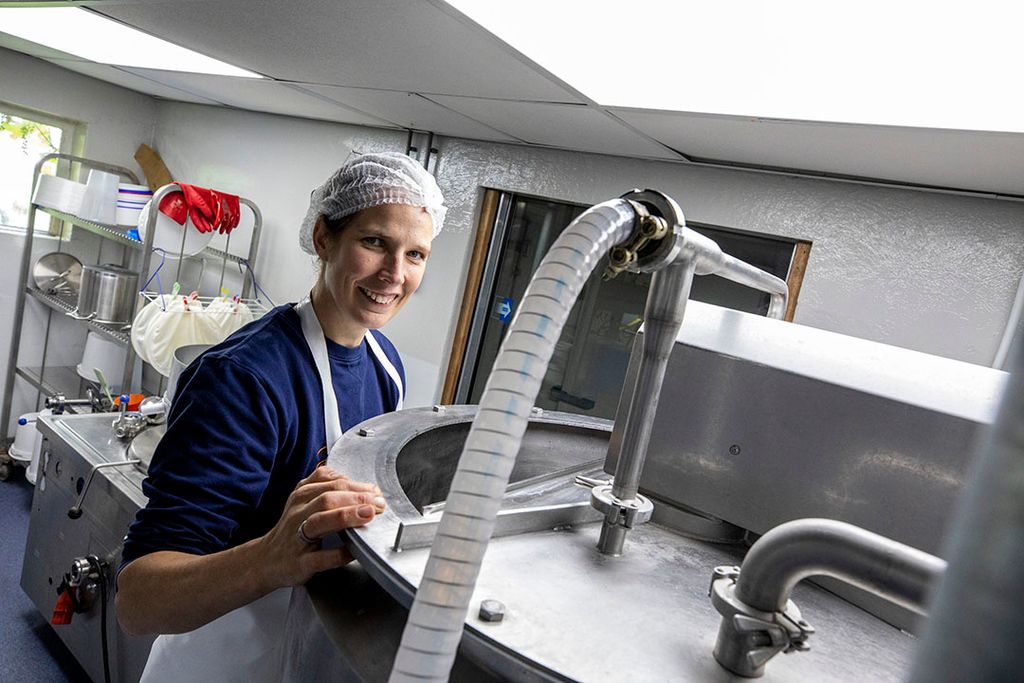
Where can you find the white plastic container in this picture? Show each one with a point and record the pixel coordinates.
(107, 355)
(130, 201)
(59, 193)
(24, 438)
(100, 201)
(32, 473)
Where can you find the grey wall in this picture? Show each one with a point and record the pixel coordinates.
(926, 271)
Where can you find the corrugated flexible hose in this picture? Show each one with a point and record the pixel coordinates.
(434, 628)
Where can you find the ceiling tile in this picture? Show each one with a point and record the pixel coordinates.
(380, 44)
(970, 160)
(559, 125)
(125, 79)
(259, 95)
(409, 110)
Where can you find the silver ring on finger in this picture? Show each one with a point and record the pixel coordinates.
(302, 533)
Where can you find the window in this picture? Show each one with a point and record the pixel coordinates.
(589, 363)
(26, 136)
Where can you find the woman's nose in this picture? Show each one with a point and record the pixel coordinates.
(392, 270)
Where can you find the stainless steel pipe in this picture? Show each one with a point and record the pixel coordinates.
(663, 316)
(758, 618)
(793, 551)
(976, 629)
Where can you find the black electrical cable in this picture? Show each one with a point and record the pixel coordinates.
(94, 562)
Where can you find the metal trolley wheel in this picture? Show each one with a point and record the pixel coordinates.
(6, 466)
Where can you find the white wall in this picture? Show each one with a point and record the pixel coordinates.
(927, 271)
(117, 121)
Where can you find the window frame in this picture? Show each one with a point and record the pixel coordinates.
(72, 142)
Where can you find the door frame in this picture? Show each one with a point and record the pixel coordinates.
(491, 228)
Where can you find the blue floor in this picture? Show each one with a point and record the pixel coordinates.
(30, 650)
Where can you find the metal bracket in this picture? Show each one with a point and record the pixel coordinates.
(748, 638)
(624, 513)
(420, 533)
(626, 255)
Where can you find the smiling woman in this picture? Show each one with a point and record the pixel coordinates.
(237, 503)
(369, 268)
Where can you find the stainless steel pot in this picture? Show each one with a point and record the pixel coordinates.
(183, 356)
(115, 295)
(107, 293)
(87, 291)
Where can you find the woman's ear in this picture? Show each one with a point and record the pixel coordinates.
(321, 240)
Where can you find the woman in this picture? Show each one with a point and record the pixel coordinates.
(237, 504)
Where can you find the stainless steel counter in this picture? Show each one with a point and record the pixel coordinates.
(72, 446)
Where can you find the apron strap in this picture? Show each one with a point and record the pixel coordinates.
(314, 335)
(388, 366)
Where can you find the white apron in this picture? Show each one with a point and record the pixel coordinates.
(246, 644)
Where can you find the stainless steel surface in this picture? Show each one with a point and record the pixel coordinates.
(746, 274)
(663, 314)
(692, 254)
(73, 446)
(75, 511)
(977, 607)
(57, 273)
(772, 421)
(796, 550)
(758, 618)
(420, 533)
(792, 422)
(556, 587)
(116, 291)
(87, 292)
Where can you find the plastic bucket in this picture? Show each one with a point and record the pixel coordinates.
(32, 472)
(24, 438)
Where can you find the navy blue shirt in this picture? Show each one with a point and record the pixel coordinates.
(246, 426)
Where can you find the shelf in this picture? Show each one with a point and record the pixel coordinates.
(119, 235)
(112, 232)
(66, 304)
(52, 380)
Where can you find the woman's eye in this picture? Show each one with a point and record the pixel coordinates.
(373, 241)
(417, 255)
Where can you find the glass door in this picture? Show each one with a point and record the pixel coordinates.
(589, 362)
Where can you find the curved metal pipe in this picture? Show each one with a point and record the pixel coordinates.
(663, 315)
(796, 550)
(75, 511)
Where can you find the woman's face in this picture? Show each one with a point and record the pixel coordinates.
(371, 268)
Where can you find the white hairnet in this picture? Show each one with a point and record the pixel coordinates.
(372, 180)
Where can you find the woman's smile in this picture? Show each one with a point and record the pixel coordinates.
(378, 297)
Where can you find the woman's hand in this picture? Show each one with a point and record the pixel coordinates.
(323, 503)
(150, 588)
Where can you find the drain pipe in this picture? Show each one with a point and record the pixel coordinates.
(758, 618)
(976, 630)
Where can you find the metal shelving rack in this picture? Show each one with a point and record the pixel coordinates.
(53, 380)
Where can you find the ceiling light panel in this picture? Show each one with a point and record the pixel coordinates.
(937, 64)
(98, 39)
